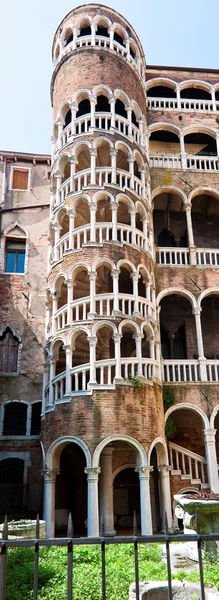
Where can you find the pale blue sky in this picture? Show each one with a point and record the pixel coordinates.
(172, 33)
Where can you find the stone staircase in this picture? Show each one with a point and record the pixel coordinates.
(188, 466)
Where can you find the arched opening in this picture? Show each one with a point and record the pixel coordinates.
(102, 28)
(57, 52)
(177, 326)
(15, 418)
(85, 28)
(210, 326)
(138, 164)
(123, 213)
(161, 91)
(128, 346)
(145, 343)
(105, 351)
(119, 36)
(104, 280)
(61, 292)
(200, 144)
(83, 108)
(104, 210)
(63, 219)
(68, 37)
(125, 280)
(169, 218)
(164, 142)
(126, 499)
(103, 154)
(12, 487)
(134, 119)
(102, 104)
(65, 168)
(140, 214)
(60, 357)
(83, 158)
(80, 349)
(9, 346)
(81, 284)
(119, 485)
(132, 50)
(71, 491)
(67, 119)
(36, 418)
(195, 93)
(122, 160)
(155, 493)
(205, 222)
(184, 431)
(82, 213)
(142, 282)
(120, 108)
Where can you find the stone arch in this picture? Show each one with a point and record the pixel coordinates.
(99, 196)
(196, 83)
(101, 324)
(203, 191)
(146, 324)
(161, 81)
(103, 261)
(60, 339)
(123, 262)
(54, 451)
(76, 331)
(119, 94)
(128, 323)
(208, 292)
(178, 291)
(117, 27)
(56, 279)
(98, 18)
(198, 128)
(102, 89)
(161, 449)
(163, 126)
(187, 405)
(213, 415)
(120, 145)
(77, 266)
(119, 438)
(122, 468)
(170, 189)
(16, 229)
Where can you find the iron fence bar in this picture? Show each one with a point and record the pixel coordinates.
(135, 531)
(170, 596)
(36, 560)
(70, 559)
(3, 561)
(103, 557)
(200, 563)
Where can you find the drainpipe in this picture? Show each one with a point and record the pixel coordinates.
(4, 182)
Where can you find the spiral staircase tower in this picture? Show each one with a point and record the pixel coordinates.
(102, 365)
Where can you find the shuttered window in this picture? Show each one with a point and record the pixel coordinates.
(20, 179)
(9, 345)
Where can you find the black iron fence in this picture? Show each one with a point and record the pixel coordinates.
(70, 542)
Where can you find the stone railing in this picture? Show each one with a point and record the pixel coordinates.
(207, 257)
(182, 104)
(101, 42)
(184, 371)
(103, 121)
(172, 256)
(188, 465)
(200, 163)
(104, 304)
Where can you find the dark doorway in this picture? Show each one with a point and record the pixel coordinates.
(71, 491)
(11, 486)
(126, 499)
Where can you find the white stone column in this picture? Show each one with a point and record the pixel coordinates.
(133, 225)
(115, 276)
(92, 222)
(165, 496)
(143, 179)
(213, 98)
(127, 45)
(217, 144)
(211, 456)
(93, 154)
(111, 34)
(138, 338)
(112, 102)
(58, 177)
(69, 301)
(177, 90)
(202, 361)
(28, 421)
(106, 491)
(117, 343)
(54, 309)
(75, 35)
(152, 350)
(158, 359)
(52, 366)
(145, 230)
(129, 117)
(92, 312)
(93, 33)
(135, 277)
(131, 170)
(68, 366)
(56, 228)
(192, 247)
(92, 501)
(114, 207)
(145, 500)
(73, 107)
(73, 162)
(49, 501)
(92, 109)
(182, 151)
(60, 124)
(113, 154)
(92, 342)
(71, 228)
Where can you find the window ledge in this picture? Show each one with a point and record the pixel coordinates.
(19, 437)
(11, 273)
(9, 374)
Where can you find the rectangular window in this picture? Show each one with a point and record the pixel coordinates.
(15, 255)
(20, 178)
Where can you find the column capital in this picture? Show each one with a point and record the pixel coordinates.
(188, 206)
(67, 348)
(50, 474)
(164, 470)
(138, 336)
(57, 174)
(130, 159)
(93, 152)
(113, 152)
(135, 276)
(93, 98)
(144, 472)
(73, 160)
(73, 105)
(59, 121)
(92, 473)
(92, 340)
(197, 310)
(115, 273)
(92, 276)
(117, 337)
(210, 434)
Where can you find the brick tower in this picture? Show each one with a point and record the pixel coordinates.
(103, 413)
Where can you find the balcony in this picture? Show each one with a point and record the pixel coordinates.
(181, 105)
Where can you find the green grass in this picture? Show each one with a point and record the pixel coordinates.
(87, 572)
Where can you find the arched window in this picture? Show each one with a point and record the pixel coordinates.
(15, 418)
(11, 484)
(36, 418)
(9, 344)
